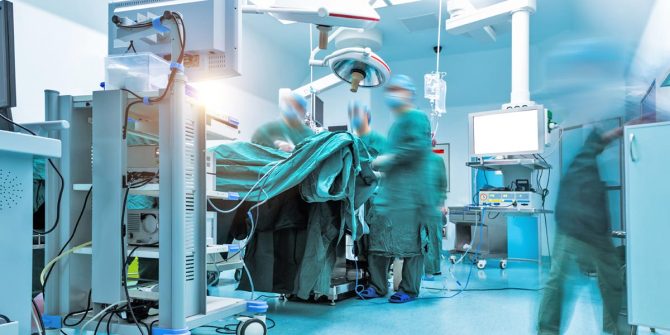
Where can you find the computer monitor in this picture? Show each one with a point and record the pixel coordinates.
(519, 131)
(7, 75)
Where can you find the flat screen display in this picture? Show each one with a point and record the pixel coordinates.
(504, 133)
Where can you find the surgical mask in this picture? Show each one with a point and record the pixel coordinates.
(290, 114)
(356, 122)
(395, 101)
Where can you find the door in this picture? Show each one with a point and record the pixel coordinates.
(647, 159)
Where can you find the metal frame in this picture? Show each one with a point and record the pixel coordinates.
(70, 281)
(182, 248)
(447, 151)
(542, 126)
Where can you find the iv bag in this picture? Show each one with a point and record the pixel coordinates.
(435, 90)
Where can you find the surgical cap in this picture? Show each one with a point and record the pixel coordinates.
(402, 81)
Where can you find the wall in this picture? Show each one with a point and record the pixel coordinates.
(70, 59)
(253, 97)
(652, 58)
(53, 52)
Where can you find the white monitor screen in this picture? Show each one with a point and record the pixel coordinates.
(506, 133)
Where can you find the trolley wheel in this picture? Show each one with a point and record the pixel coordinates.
(213, 278)
(503, 264)
(452, 259)
(238, 274)
(481, 264)
(252, 327)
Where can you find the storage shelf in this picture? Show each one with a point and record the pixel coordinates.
(509, 210)
(152, 252)
(152, 190)
(499, 164)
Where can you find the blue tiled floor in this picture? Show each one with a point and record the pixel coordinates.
(480, 311)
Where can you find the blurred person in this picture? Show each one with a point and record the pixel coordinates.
(360, 119)
(290, 130)
(398, 218)
(438, 179)
(583, 237)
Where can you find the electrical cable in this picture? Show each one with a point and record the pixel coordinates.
(74, 232)
(151, 326)
(88, 309)
(5, 318)
(124, 261)
(181, 31)
(103, 312)
(40, 322)
(53, 261)
(60, 177)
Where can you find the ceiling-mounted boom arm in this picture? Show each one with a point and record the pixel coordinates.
(520, 11)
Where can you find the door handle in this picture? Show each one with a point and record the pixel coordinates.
(631, 144)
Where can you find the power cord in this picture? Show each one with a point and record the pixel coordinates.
(60, 177)
(74, 232)
(181, 31)
(83, 317)
(124, 261)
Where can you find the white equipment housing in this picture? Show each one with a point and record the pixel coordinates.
(214, 34)
(332, 13)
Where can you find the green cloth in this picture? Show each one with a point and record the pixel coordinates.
(267, 134)
(569, 251)
(328, 174)
(39, 177)
(439, 181)
(402, 207)
(412, 267)
(375, 143)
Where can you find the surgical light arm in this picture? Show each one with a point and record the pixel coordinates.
(319, 86)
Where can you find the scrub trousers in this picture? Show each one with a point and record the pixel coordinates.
(412, 271)
(601, 254)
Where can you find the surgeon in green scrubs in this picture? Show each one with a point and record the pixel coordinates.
(438, 215)
(360, 118)
(399, 218)
(286, 133)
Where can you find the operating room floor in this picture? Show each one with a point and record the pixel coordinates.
(499, 302)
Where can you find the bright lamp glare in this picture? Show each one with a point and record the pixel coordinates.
(506, 133)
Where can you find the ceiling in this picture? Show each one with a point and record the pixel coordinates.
(624, 19)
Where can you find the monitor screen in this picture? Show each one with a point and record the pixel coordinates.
(507, 133)
(7, 82)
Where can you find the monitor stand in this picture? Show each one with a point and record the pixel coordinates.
(4, 125)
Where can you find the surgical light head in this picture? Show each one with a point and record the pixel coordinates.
(358, 66)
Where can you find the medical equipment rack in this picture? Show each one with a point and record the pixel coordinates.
(493, 241)
(94, 155)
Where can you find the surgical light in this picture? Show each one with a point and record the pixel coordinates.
(358, 66)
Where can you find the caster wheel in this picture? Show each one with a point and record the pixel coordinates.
(481, 264)
(452, 259)
(213, 278)
(503, 264)
(252, 327)
(238, 274)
